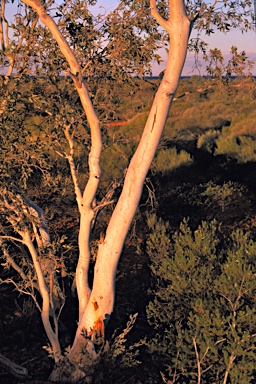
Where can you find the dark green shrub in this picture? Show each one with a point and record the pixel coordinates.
(222, 195)
(203, 310)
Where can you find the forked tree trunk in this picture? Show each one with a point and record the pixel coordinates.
(96, 306)
(101, 301)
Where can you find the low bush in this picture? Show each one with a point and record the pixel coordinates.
(203, 310)
(170, 159)
(207, 140)
(241, 148)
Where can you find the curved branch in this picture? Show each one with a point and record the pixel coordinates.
(12, 238)
(154, 12)
(37, 212)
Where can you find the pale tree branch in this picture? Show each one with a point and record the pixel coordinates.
(93, 120)
(204, 355)
(230, 363)
(41, 223)
(24, 206)
(40, 227)
(5, 43)
(64, 47)
(11, 261)
(45, 312)
(72, 166)
(197, 361)
(12, 239)
(2, 10)
(154, 12)
(6, 33)
(42, 237)
(16, 370)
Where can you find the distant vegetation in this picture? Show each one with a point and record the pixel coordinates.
(206, 114)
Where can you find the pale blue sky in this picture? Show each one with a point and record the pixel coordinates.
(245, 42)
(219, 40)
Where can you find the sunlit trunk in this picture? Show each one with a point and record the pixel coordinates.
(95, 307)
(101, 302)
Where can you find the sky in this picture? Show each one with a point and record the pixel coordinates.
(246, 42)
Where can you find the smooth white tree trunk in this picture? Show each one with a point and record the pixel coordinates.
(101, 302)
(96, 306)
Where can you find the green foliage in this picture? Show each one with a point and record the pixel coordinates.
(238, 65)
(222, 195)
(170, 159)
(203, 311)
(122, 354)
(114, 161)
(207, 140)
(158, 241)
(119, 354)
(238, 141)
(241, 148)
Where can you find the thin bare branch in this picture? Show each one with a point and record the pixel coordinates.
(41, 224)
(12, 238)
(11, 261)
(45, 313)
(16, 370)
(198, 361)
(72, 166)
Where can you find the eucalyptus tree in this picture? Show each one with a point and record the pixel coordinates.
(68, 39)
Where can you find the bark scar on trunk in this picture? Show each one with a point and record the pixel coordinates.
(102, 238)
(95, 305)
(154, 121)
(97, 332)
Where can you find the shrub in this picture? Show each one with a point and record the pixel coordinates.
(241, 148)
(170, 159)
(207, 141)
(222, 195)
(203, 310)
